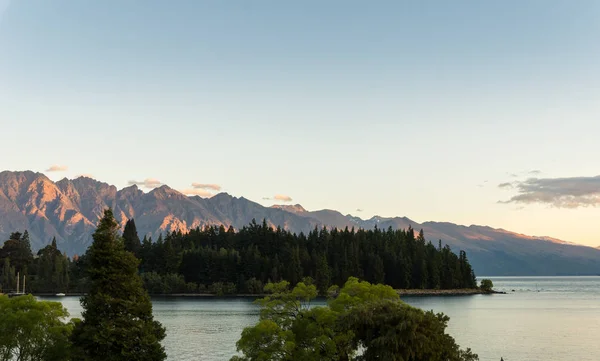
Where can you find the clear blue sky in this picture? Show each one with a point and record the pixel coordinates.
(415, 108)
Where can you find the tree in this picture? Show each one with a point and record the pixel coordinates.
(117, 313)
(391, 330)
(486, 285)
(361, 322)
(8, 281)
(33, 330)
(131, 238)
(18, 249)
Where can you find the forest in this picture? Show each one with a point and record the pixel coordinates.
(222, 261)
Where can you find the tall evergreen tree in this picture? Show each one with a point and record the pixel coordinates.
(131, 238)
(117, 313)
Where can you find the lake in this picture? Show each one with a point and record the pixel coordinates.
(545, 318)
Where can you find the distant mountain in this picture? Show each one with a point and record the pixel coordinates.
(69, 209)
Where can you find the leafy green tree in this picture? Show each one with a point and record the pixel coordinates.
(389, 330)
(33, 330)
(361, 322)
(486, 285)
(117, 313)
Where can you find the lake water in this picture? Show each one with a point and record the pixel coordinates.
(545, 318)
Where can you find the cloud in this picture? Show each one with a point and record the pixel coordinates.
(282, 198)
(571, 192)
(212, 187)
(278, 197)
(197, 192)
(505, 185)
(533, 172)
(146, 183)
(359, 210)
(57, 168)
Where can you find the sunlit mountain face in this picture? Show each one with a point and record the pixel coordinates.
(70, 208)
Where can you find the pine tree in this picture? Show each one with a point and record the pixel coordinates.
(26, 246)
(322, 274)
(131, 238)
(117, 313)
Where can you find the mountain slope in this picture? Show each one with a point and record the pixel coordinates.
(69, 210)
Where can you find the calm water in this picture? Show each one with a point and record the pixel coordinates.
(545, 318)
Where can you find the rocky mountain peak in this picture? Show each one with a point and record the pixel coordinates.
(296, 208)
(70, 209)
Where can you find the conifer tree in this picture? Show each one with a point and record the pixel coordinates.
(131, 238)
(117, 313)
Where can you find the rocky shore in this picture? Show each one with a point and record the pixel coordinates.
(453, 292)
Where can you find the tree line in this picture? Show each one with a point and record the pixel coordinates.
(48, 271)
(222, 260)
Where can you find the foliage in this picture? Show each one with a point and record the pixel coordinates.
(33, 330)
(486, 285)
(51, 269)
(117, 312)
(390, 330)
(214, 255)
(224, 261)
(15, 258)
(362, 321)
(131, 238)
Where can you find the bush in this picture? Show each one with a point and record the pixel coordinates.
(191, 287)
(220, 288)
(487, 285)
(254, 286)
(202, 288)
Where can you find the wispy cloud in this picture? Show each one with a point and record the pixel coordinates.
(571, 192)
(505, 185)
(147, 183)
(57, 168)
(533, 172)
(197, 192)
(359, 210)
(282, 198)
(278, 197)
(206, 186)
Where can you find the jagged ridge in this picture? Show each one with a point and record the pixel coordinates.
(69, 209)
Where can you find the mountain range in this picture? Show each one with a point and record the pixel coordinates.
(69, 209)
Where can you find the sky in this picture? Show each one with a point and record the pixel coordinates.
(472, 112)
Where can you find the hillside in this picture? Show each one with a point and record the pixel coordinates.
(69, 209)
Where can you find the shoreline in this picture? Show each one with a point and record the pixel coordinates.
(402, 292)
(451, 292)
